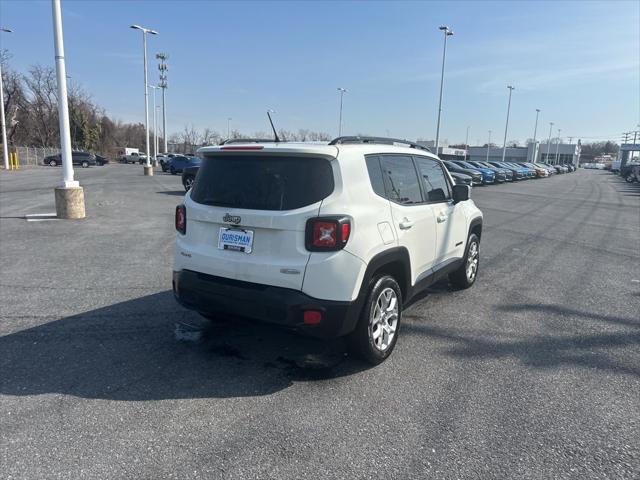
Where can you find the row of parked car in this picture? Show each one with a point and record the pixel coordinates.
(487, 173)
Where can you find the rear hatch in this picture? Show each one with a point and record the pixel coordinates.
(247, 212)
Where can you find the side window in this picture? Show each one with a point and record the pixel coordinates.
(435, 181)
(401, 179)
(375, 175)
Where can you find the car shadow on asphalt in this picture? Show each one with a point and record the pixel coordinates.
(150, 348)
(592, 349)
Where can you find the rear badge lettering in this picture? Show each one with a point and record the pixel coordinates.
(231, 218)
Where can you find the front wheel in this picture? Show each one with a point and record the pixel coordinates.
(53, 163)
(630, 178)
(377, 330)
(466, 274)
(85, 164)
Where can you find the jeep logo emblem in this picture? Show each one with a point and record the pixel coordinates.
(231, 218)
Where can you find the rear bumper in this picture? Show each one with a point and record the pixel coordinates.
(212, 295)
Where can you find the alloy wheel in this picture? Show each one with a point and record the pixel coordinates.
(472, 261)
(383, 321)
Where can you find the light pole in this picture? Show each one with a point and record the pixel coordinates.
(69, 195)
(155, 125)
(488, 145)
(466, 144)
(342, 92)
(557, 146)
(506, 127)
(535, 131)
(148, 169)
(447, 33)
(549, 142)
(162, 67)
(5, 147)
(229, 127)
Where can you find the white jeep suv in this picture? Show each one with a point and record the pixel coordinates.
(328, 239)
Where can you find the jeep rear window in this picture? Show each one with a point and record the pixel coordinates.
(262, 182)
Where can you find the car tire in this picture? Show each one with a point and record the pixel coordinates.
(376, 332)
(188, 182)
(84, 164)
(465, 276)
(53, 163)
(172, 170)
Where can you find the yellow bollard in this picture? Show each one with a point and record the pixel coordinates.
(10, 160)
(15, 158)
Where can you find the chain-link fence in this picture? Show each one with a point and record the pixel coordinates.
(33, 155)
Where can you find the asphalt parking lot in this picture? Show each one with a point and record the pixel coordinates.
(532, 373)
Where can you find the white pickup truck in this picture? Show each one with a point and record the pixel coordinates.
(131, 155)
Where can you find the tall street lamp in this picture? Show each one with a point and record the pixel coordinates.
(447, 33)
(155, 125)
(148, 169)
(342, 92)
(488, 145)
(549, 143)
(535, 131)
(557, 146)
(69, 195)
(506, 127)
(5, 147)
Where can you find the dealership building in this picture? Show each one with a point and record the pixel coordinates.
(566, 153)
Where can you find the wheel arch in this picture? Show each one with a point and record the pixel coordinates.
(475, 226)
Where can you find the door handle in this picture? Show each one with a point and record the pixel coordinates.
(442, 217)
(405, 224)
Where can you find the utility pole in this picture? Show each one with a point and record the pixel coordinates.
(69, 195)
(5, 147)
(342, 92)
(488, 145)
(148, 169)
(447, 33)
(466, 144)
(535, 131)
(506, 127)
(155, 125)
(549, 142)
(162, 67)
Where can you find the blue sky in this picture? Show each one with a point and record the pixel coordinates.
(579, 62)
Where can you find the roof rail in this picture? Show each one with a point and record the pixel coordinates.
(247, 140)
(382, 140)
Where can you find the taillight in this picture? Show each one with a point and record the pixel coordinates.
(325, 234)
(181, 219)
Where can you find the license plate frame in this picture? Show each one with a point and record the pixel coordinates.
(241, 241)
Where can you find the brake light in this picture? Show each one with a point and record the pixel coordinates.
(181, 219)
(326, 234)
(248, 147)
(346, 230)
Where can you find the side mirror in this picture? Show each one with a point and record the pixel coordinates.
(461, 193)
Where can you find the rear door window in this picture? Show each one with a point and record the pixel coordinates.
(401, 179)
(263, 182)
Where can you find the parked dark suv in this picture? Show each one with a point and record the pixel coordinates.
(84, 159)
